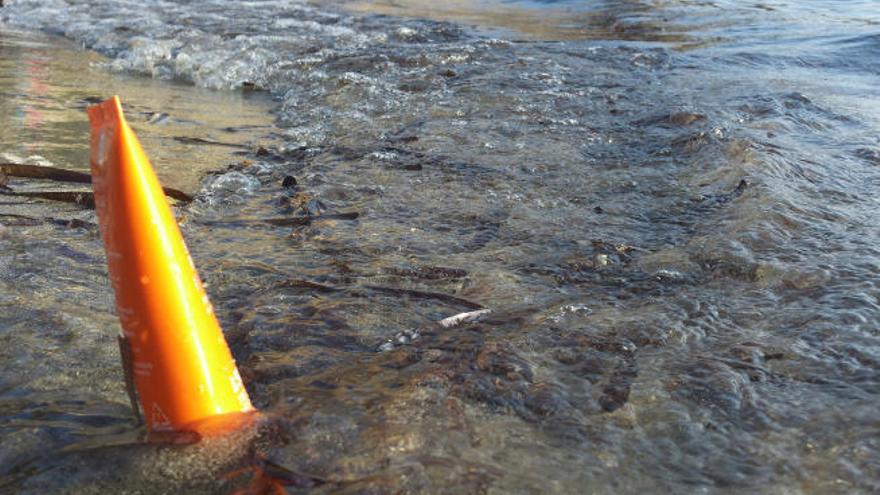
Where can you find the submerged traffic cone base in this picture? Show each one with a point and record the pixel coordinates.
(181, 366)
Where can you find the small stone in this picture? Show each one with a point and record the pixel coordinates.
(566, 356)
(289, 182)
(685, 118)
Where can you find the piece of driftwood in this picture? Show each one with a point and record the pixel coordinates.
(195, 140)
(422, 294)
(397, 291)
(48, 173)
(13, 220)
(295, 221)
(427, 272)
(290, 281)
(72, 176)
(307, 284)
(82, 198)
(287, 221)
(357, 290)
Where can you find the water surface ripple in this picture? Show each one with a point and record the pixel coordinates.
(670, 207)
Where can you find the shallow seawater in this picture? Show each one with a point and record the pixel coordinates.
(670, 208)
(47, 82)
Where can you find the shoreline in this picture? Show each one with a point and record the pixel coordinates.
(52, 80)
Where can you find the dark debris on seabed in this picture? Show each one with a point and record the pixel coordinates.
(39, 174)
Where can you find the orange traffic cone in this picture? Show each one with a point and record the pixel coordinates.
(180, 363)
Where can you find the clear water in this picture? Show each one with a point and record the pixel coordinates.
(670, 208)
(47, 82)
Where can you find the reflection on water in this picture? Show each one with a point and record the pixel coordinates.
(46, 84)
(627, 20)
(679, 248)
(565, 20)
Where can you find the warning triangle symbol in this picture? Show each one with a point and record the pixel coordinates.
(159, 418)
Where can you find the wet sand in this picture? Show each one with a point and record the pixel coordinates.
(535, 20)
(46, 83)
